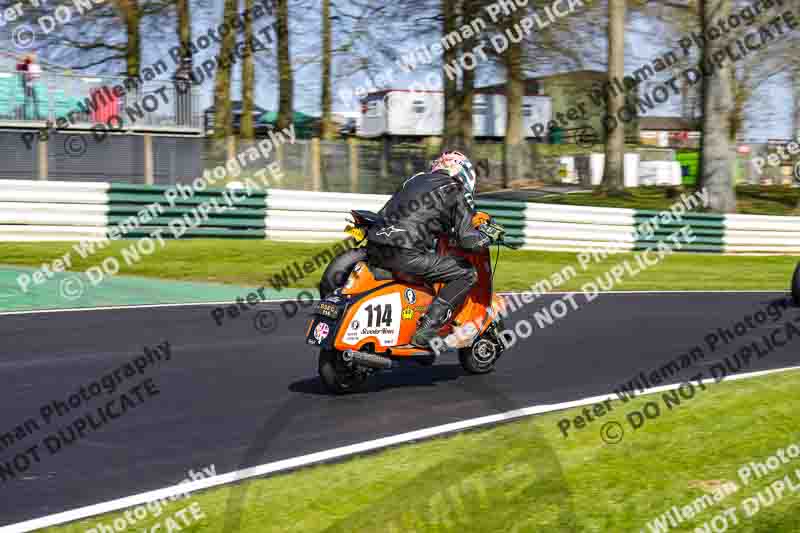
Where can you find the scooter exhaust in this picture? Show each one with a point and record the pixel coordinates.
(368, 359)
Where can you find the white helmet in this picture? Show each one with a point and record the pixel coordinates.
(458, 166)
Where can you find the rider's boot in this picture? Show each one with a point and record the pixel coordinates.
(437, 315)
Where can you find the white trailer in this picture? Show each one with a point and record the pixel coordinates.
(403, 113)
(489, 114)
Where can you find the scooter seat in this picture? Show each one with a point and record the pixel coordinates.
(411, 279)
(367, 218)
(380, 274)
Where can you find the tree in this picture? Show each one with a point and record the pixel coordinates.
(515, 153)
(328, 129)
(184, 30)
(248, 77)
(285, 76)
(717, 145)
(470, 9)
(223, 125)
(133, 52)
(796, 101)
(613, 173)
(451, 136)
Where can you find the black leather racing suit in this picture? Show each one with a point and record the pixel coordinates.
(425, 207)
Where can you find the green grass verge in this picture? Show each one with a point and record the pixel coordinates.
(751, 200)
(526, 477)
(253, 262)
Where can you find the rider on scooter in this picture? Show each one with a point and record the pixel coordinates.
(426, 206)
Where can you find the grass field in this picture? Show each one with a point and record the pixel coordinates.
(751, 200)
(525, 476)
(253, 263)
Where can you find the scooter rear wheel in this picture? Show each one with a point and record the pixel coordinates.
(336, 376)
(796, 285)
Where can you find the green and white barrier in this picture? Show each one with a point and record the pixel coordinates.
(52, 210)
(211, 213)
(70, 211)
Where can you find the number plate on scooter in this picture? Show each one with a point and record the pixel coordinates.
(327, 309)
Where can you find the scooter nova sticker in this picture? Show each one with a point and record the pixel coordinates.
(377, 317)
(411, 296)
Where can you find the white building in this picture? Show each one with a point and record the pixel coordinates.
(398, 112)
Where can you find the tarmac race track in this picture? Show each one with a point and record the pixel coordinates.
(218, 392)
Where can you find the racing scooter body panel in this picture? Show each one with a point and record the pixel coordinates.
(365, 324)
(384, 313)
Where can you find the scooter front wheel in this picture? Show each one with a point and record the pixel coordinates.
(796, 285)
(480, 357)
(337, 377)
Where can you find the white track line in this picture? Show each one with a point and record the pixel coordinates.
(189, 304)
(329, 455)
(665, 292)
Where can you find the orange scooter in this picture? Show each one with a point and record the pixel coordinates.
(366, 325)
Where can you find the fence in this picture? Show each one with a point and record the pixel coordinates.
(89, 100)
(116, 158)
(354, 166)
(379, 166)
(42, 211)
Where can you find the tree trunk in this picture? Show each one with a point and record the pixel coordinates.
(515, 152)
(248, 78)
(613, 173)
(223, 125)
(796, 100)
(184, 31)
(465, 115)
(451, 136)
(796, 115)
(286, 82)
(468, 85)
(717, 158)
(328, 127)
(741, 93)
(133, 50)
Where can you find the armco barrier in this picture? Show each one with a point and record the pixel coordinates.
(52, 210)
(45, 210)
(309, 216)
(244, 220)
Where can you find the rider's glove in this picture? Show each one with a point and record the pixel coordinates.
(494, 232)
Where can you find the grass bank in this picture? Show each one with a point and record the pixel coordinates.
(751, 200)
(526, 476)
(253, 263)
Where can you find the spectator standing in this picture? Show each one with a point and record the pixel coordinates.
(30, 73)
(22, 69)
